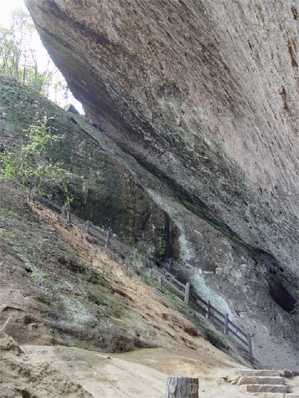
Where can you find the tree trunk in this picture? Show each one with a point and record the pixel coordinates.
(182, 387)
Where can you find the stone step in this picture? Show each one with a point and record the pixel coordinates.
(260, 388)
(271, 395)
(260, 372)
(276, 380)
(276, 395)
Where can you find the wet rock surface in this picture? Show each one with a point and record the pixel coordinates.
(57, 288)
(102, 191)
(199, 102)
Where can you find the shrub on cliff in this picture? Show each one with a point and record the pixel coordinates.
(29, 164)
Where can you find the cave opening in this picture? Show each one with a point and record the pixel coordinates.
(282, 297)
(281, 283)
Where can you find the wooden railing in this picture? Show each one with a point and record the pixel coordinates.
(189, 296)
(206, 309)
(183, 291)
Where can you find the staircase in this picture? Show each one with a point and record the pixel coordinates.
(266, 383)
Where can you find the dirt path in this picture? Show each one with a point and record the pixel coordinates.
(140, 373)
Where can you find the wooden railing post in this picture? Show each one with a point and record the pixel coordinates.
(87, 226)
(208, 314)
(187, 293)
(208, 310)
(226, 326)
(250, 346)
(182, 387)
(160, 282)
(108, 238)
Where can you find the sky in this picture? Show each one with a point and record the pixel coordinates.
(6, 9)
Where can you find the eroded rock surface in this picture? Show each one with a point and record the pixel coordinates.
(103, 192)
(57, 288)
(199, 101)
(20, 378)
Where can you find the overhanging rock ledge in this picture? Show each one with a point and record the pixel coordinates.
(199, 101)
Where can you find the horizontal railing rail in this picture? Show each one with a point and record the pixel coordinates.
(189, 296)
(183, 291)
(209, 311)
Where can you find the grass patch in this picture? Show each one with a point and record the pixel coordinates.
(216, 339)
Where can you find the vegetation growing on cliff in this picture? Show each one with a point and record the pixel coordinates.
(21, 59)
(31, 167)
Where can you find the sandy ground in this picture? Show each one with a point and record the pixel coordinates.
(50, 370)
(140, 373)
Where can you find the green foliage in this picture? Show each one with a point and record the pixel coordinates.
(17, 59)
(216, 339)
(20, 57)
(29, 164)
(39, 277)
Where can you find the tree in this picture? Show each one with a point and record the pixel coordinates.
(20, 59)
(30, 165)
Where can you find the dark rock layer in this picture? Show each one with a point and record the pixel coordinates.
(102, 191)
(199, 101)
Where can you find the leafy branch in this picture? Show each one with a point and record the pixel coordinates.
(29, 163)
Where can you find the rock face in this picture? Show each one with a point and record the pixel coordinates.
(59, 287)
(198, 100)
(102, 191)
(22, 379)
